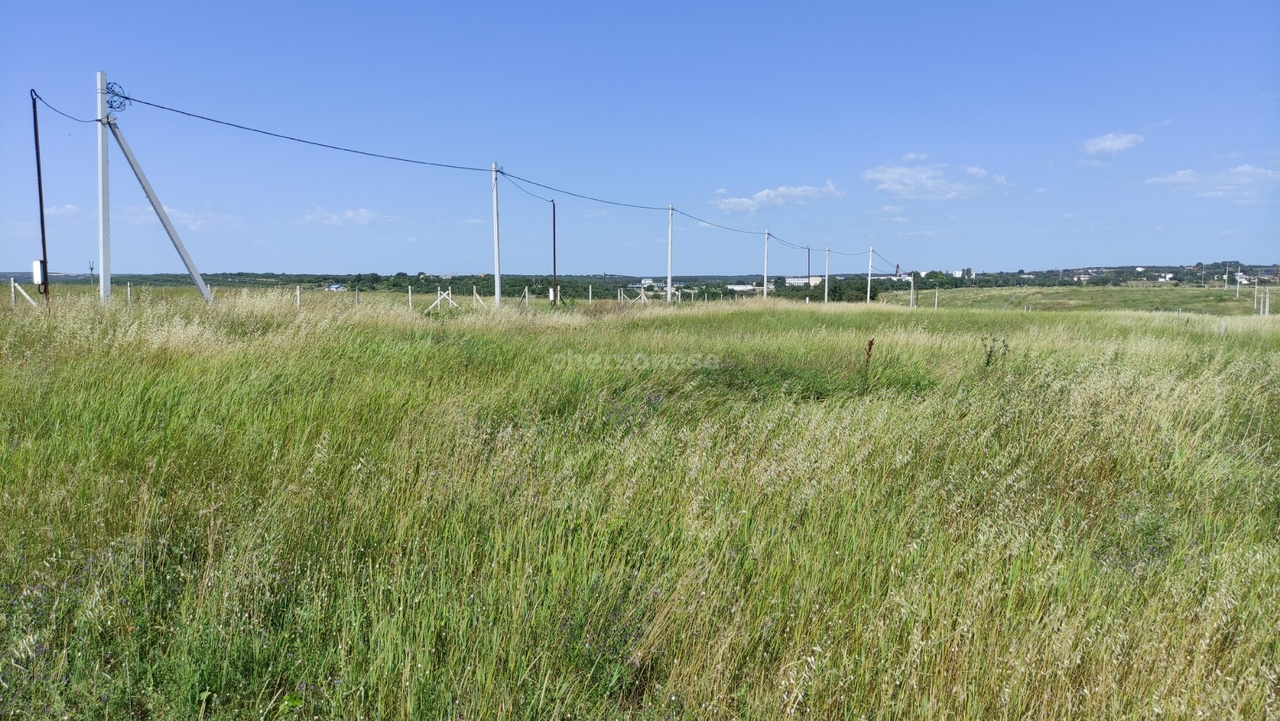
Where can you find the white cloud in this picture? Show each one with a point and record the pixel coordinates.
(472, 221)
(1000, 180)
(924, 233)
(976, 172)
(62, 210)
(1111, 143)
(1040, 190)
(920, 183)
(360, 216)
(1069, 216)
(915, 156)
(774, 197)
(1242, 185)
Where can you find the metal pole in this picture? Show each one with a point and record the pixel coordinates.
(809, 256)
(555, 281)
(870, 253)
(826, 277)
(670, 218)
(497, 262)
(128, 293)
(766, 263)
(44, 248)
(104, 196)
(589, 298)
(297, 297)
(410, 297)
(160, 212)
(935, 298)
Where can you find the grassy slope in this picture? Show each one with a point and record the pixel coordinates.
(1214, 301)
(352, 513)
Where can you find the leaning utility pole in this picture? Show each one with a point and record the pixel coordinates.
(160, 211)
(104, 201)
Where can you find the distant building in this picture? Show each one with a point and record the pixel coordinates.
(803, 281)
(337, 288)
(742, 288)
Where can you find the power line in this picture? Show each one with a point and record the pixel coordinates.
(580, 195)
(115, 93)
(36, 95)
(717, 225)
(300, 140)
(522, 189)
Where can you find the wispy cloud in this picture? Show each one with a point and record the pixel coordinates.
(1040, 190)
(915, 156)
(1111, 143)
(360, 216)
(976, 172)
(920, 182)
(774, 197)
(185, 219)
(62, 210)
(1242, 185)
(472, 221)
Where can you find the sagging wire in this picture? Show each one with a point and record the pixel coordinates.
(36, 95)
(118, 101)
(282, 136)
(523, 189)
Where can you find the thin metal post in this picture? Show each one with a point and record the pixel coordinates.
(870, 254)
(44, 248)
(13, 292)
(589, 300)
(555, 280)
(765, 287)
(935, 298)
(497, 258)
(297, 297)
(670, 220)
(104, 195)
(826, 277)
(410, 297)
(128, 293)
(160, 212)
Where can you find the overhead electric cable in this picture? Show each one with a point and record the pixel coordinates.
(717, 225)
(579, 195)
(300, 140)
(36, 95)
(523, 189)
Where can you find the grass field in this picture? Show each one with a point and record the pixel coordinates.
(1151, 297)
(726, 510)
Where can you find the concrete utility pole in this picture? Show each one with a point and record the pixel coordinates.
(104, 199)
(671, 213)
(826, 278)
(871, 251)
(765, 288)
(497, 258)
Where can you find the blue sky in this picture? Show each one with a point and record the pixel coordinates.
(996, 136)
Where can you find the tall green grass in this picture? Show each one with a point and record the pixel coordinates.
(367, 513)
